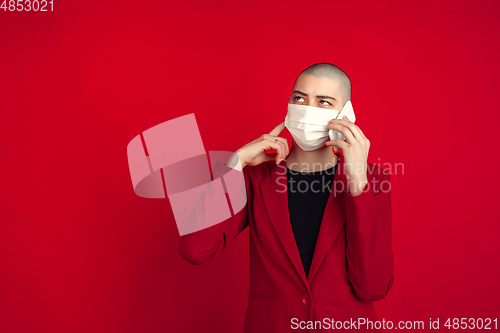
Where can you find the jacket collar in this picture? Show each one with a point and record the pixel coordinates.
(274, 190)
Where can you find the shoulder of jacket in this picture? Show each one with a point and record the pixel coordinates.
(260, 171)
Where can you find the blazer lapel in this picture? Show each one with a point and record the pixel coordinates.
(275, 197)
(333, 218)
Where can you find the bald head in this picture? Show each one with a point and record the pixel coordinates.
(326, 69)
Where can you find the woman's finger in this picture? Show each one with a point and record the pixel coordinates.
(344, 130)
(268, 143)
(277, 130)
(355, 130)
(279, 139)
(339, 143)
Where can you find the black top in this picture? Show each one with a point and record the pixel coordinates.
(308, 194)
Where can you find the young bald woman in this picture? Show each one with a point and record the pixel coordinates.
(320, 227)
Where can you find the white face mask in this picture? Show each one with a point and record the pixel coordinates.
(307, 124)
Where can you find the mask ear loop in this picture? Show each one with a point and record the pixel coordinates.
(336, 117)
(338, 114)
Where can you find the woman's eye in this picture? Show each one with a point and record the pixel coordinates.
(298, 97)
(326, 103)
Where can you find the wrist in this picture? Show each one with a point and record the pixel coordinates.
(236, 162)
(357, 186)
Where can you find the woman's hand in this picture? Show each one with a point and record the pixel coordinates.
(355, 150)
(254, 153)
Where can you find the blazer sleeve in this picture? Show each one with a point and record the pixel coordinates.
(203, 246)
(370, 260)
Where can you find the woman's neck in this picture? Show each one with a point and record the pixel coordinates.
(310, 161)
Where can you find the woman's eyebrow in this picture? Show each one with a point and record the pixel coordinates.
(319, 96)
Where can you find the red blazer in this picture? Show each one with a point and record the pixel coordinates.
(352, 263)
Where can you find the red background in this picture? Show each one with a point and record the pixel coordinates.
(80, 252)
